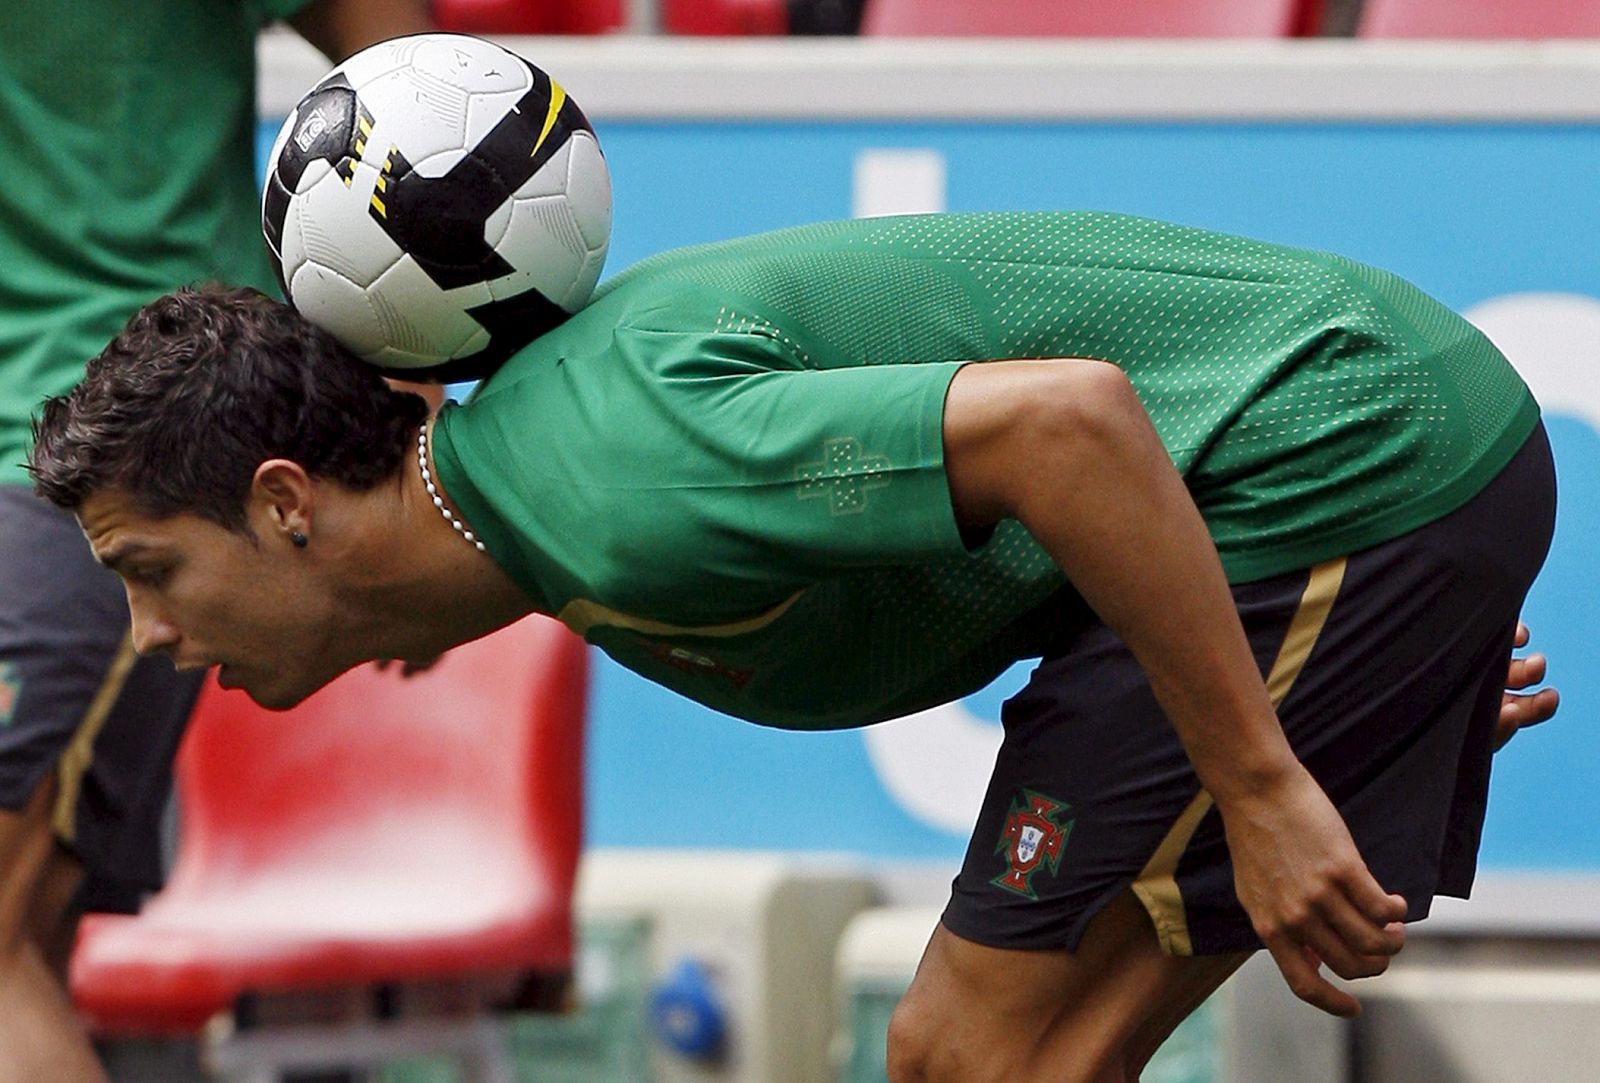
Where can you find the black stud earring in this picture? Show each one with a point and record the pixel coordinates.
(299, 539)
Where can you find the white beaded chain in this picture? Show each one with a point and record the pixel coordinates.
(433, 491)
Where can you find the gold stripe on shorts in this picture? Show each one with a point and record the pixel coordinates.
(79, 753)
(1157, 885)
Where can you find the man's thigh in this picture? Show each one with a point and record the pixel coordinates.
(27, 844)
(78, 707)
(41, 883)
(1093, 1015)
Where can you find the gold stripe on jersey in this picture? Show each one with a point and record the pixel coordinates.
(1157, 885)
(581, 615)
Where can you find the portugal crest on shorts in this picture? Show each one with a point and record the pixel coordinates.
(1032, 839)
(10, 690)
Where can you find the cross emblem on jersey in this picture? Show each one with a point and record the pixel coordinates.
(844, 475)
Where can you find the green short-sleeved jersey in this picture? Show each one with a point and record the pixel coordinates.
(727, 471)
(128, 170)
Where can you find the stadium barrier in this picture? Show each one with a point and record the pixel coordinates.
(739, 946)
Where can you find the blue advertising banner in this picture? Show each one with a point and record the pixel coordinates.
(1498, 220)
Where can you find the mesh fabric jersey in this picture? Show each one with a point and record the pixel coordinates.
(728, 473)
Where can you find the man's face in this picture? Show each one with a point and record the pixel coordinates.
(204, 595)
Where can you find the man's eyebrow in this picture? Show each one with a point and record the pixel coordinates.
(113, 557)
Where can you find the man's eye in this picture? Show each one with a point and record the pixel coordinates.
(152, 577)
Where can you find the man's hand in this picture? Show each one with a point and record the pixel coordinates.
(1519, 711)
(1308, 893)
(1310, 897)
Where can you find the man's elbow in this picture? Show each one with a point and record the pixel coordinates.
(1082, 405)
(1081, 415)
(1015, 431)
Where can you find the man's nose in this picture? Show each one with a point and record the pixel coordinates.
(151, 631)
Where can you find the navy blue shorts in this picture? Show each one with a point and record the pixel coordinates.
(1387, 666)
(76, 700)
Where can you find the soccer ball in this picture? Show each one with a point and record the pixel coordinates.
(436, 202)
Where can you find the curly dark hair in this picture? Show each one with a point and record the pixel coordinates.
(199, 389)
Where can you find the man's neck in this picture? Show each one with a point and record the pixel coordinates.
(417, 585)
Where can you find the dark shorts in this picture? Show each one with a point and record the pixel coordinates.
(1390, 666)
(75, 699)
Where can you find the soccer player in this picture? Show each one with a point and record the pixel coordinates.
(129, 132)
(1267, 515)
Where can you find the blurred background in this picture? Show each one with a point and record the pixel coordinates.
(750, 903)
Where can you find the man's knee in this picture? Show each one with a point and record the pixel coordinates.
(925, 1048)
(908, 1044)
(928, 1044)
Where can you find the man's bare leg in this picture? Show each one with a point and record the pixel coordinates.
(55, 916)
(1181, 1000)
(1092, 1016)
(39, 1036)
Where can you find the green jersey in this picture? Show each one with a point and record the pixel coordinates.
(727, 471)
(129, 165)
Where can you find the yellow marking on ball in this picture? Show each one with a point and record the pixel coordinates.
(377, 205)
(558, 98)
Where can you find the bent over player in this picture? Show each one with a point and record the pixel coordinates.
(1267, 515)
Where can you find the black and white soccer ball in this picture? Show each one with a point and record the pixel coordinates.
(436, 202)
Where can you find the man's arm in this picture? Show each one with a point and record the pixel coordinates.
(339, 28)
(1067, 448)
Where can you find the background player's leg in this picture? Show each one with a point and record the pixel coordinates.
(57, 910)
(78, 710)
(976, 1013)
(39, 1037)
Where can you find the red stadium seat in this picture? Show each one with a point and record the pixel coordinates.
(528, 16)
(387, 830)
(1479, 19)
(1093, 19)
(724, 18)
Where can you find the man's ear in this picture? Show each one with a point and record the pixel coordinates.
(282, 501)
